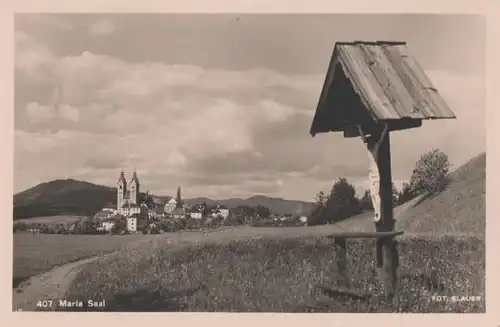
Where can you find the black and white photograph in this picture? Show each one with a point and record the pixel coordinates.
(284, 163)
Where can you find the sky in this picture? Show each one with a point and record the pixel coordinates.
(221, 105)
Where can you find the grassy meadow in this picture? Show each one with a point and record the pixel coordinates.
(276, 269)
(279, 275)
(35, 254)
(63, 219)
(266, 269)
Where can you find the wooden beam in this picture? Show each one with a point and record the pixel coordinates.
(394, 125)
(389, 268)
(386, 249)
(386, 197)
(374, 235)
(339, 291)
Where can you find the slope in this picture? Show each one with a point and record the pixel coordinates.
(459, 209)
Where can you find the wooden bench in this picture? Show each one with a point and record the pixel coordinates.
(387, 259)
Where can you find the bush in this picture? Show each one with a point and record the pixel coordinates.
(366, 201)
(342, 202)
(431, 173)
(235, 220)
(20, 227)
(316, 215)
(164, 225)
(406, 194)
(119, 226)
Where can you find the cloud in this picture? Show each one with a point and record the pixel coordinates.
(110, 96)
(32, 59)
(215, 132)
(102, 27)
(104, 160)
(38, 113)
(69, 113)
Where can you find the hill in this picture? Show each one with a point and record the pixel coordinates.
(63, 197)
(459, 209)
(78, 198)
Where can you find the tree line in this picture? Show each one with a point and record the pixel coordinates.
(430, 175)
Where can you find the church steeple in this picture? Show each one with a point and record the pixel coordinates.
(134, 188)
(178, 198)
(121, 190)
(134, 178)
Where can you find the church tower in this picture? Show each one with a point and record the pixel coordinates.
(178, 198)
(121, 190)
(134, 189)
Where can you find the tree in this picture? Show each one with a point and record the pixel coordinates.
(262, 211)
(395, 195)
(244, 210)
(366, 201)
(86, 225)
(317, 214)
(204, 210)
(235, 220)
(342, 202)
(120, 224)
(149, 200)
(321, 198)
(406, 194)
(20, 227)
(431, 173)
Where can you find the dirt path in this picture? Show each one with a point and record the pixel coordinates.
(49, 287)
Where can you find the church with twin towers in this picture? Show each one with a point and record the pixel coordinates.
(129, 200)
(127, 193)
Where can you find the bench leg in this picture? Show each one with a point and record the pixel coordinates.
(340, 254)
(390, 263)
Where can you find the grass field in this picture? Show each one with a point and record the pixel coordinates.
(34, 254)
(278, 275)
(276, 269)
(49, 220)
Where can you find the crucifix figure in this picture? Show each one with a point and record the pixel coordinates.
(372, 143)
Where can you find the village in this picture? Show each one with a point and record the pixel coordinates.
(144, 213)
(139, 212)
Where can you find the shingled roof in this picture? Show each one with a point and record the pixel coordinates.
(367, 82)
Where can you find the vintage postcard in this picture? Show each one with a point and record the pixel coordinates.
(249, 163)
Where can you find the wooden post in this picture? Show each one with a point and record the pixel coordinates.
(340, 254)
(386, 246)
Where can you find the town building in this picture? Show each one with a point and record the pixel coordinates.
(220, 210)
(196, 215)
(170, 206)
(179, 213)
(106, 226)
(136, 223)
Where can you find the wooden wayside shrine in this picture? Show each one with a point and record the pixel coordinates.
(373, 85)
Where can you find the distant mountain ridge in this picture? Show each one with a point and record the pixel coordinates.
(74, 197)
